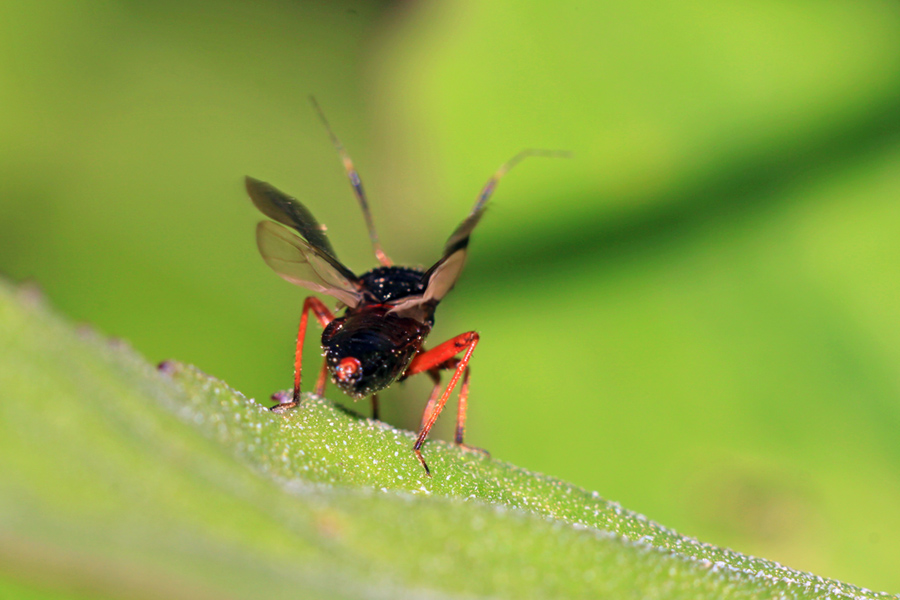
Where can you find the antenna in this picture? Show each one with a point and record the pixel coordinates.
(357, 186)
(488, 188)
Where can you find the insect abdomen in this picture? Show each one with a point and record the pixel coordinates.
(382, 344)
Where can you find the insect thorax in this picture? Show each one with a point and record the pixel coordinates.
(388, 284)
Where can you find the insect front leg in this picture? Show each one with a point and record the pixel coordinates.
(319, 390)
(435, 375)
(461, 403)
(324, 317)
(442, 357)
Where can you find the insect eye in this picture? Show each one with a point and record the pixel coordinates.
(348, 369)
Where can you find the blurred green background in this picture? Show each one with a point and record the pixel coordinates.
(698, 315)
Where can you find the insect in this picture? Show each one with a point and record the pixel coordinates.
(387, 312)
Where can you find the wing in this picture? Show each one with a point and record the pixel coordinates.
(459, 239)
(300, 263)
(277, 205)
(306, 259)
(442, 276)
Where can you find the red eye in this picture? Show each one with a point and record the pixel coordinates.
(347, 369)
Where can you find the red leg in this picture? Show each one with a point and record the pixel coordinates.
(461, 401)
(442, 357)
(461, 408)
(439, 355)
(432, 398)
(324, 317)
(322, 380)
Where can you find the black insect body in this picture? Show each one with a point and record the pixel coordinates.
(368, 350)
(388, 311)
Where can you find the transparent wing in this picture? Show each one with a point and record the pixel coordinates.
(459, 239)
(287, 210)
(442, 276)
(300, 263)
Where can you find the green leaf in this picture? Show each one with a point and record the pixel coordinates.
(123, 480)
(695, 315)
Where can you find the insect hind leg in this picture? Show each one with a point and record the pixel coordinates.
(442, 357)
(324, 317)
